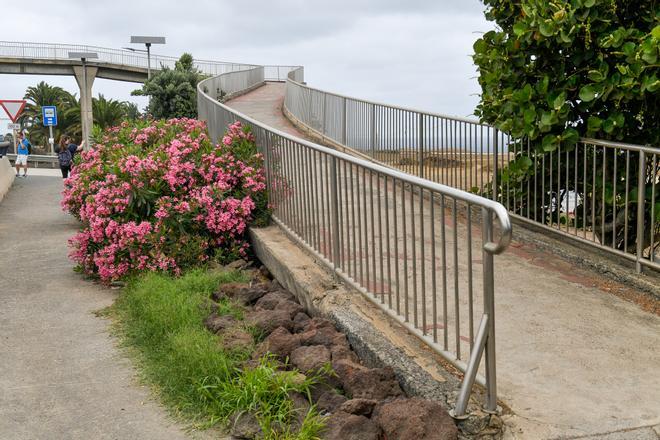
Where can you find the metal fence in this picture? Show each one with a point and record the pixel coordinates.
(421, 251)
(567, 191)
(124, 57)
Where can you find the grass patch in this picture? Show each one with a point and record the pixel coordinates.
(160, 318)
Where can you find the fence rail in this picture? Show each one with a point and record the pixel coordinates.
(567, 191)
(421, 251)
(124, 57)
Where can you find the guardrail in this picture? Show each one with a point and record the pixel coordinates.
(122, 57)
(38, 160)
(567, 191)
(409, 245)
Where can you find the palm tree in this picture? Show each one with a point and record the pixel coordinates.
(108, 112)
(38, 96)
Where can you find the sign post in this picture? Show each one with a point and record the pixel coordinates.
(13, 108)
(49, 116)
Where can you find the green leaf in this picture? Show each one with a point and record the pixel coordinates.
(596, 75)
(656, 32)
(519, 28)
(570, 136)
(559, 101)
(589, 3)
(588, 93)
(594, 123)
(550, 142)
(529, 115)
(480, 46)
(547, 28)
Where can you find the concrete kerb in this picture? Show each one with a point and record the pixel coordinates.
(375, 337)
(7, 176)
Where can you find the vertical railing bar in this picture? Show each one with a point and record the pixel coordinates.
(456, 289)
(334, 194)
(396, 245)
(641, 198)
(469, 268)
(413, 246)
(444, 272)
(433, 269)
(405, 250)
(422, 256)
(625, 204)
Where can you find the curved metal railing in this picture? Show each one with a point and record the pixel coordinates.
(405, 242)
(568, 191)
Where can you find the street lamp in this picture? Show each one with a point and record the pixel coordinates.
(147, 41)
(85, 94)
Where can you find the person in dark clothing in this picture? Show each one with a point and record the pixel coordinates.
(73, 148)
(65, 157)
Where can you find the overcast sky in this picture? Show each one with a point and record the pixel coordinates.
(414, 53)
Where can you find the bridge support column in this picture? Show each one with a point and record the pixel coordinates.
(85, 76)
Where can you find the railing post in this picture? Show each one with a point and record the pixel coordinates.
(323, 115)
(641, 200)
(373, 131)
(489, 309)
(334, 198)
(420, 134)
(343, 124)
(495, 162)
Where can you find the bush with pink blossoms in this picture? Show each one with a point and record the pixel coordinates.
(160, 196)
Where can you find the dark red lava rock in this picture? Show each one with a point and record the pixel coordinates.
(300, 321)
(414, 418)
(330, 401)
(268, 320)
(316, 323)
(343, 352)
(310, 358)
(235, 338)
(369, 383)
(216, 322)
(280, 342)
(327, 336)
(242, 293)
(245, 426)
(360, 407)
(271, 300)
(344, 426)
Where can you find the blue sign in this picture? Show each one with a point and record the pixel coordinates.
(49, 113)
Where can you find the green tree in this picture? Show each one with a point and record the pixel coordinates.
(44, 94)
(173, 92)
(554, 71)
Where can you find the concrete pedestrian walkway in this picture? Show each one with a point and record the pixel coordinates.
(574, 360)
(61, 376)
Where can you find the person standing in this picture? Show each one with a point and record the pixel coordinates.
(22, 153)
(65, 157)
(73, 148)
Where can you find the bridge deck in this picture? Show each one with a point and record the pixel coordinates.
(573, 359)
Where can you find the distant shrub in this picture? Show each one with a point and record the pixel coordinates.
(160, 196)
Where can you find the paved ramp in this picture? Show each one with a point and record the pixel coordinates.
(61, 376)
(574, 360)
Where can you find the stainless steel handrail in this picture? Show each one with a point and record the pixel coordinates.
(469, 155)
(313, 190)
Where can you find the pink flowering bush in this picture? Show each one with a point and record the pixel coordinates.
(160, 196)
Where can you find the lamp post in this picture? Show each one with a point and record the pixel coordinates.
(147, 41)
(85, 94)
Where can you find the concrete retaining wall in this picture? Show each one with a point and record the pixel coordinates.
(7, 175)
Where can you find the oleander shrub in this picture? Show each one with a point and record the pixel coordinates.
(160, 196)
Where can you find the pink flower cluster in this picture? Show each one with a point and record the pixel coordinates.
(161, 196)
